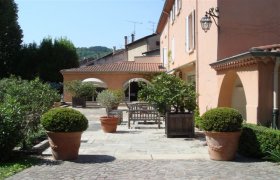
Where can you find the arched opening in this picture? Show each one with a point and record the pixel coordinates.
(232, 93)
(132, 87)
(99, 84)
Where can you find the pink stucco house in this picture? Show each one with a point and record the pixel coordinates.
(235, 63)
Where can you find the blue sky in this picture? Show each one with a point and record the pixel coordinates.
(88, 22)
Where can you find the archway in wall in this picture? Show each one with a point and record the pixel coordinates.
(132, 87)
(232, 93)
(99, 84)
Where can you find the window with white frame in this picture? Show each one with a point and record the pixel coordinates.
(175, 6)
(178, 5)
(164, 57)
(173, 13)
(173, 50)
(190, 32)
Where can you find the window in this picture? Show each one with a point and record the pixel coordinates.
(164, 57)
(190, 32)
(175, 7)
(190, 78)
(173, 50)
(172, 12)
(179, 6)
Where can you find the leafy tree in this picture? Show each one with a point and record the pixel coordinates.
(168, 91)
(28, 62)
(93, 52)
(54, 56)
(10, 36)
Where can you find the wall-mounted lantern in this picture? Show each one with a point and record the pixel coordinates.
(206, 21)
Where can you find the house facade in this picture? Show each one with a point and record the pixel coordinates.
(231, 63)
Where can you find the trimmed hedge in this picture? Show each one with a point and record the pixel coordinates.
(64, 120)
(257, 141)
(221, 119)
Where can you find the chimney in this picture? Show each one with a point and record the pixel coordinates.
(132, 37)
(125, 40)
(114, 49)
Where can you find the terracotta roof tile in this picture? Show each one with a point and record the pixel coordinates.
(267, 48)
(120, 67)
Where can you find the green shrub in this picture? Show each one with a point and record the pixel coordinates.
(78, 88)
(258, 141)
(169, 92)
(11, 124)
(108, 99)
(34, 98)
(222, 119)
(64, 120)
(197, 118)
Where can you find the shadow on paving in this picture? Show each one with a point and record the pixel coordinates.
(86, 159)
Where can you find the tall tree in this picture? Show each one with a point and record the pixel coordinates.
(55, 56)
(10, 36)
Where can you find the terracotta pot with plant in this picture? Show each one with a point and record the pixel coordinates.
(109, 100)
(64, 127)
(222, 128)
(80, 91)
(176, 100)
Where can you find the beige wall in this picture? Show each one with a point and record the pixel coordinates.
(136, 50)
(207, 53)
(147, 59)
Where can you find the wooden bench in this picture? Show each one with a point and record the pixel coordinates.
(142, 112)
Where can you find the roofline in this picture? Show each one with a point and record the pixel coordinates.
(141, 39)
(164, 15)
(251, 53)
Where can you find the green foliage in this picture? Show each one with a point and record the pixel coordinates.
(54, 56)
(119, 94)
(108, 99)
(64, 120)
(33, 97)
(259, 141)
(273, 155)
(197, 118)
(78, 88)
(10, 127)
(169, 91)
(12, 167)
(27, 66)
(221, 119)
(10, 36)
(93, 52)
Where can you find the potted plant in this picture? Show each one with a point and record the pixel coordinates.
(222, 128)
(109, 100)
(64, 127)
(173, 97)
(80, 91)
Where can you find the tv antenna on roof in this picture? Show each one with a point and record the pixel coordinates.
(153, 25)
(134, 25)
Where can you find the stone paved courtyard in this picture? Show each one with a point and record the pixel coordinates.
(144, 152)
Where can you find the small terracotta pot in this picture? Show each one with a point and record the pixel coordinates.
(109, 123)
(222, 146)
(65, 145)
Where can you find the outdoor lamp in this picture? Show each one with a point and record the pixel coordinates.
(206, 21)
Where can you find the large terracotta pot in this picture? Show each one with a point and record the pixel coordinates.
(109, 123)
(222, 146)
(65, 145)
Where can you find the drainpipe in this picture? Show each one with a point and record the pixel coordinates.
(275, 113)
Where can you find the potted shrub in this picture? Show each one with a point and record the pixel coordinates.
(80, 91)
(64, 127)
(173, 97)
(222, 128)
(109, 100)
